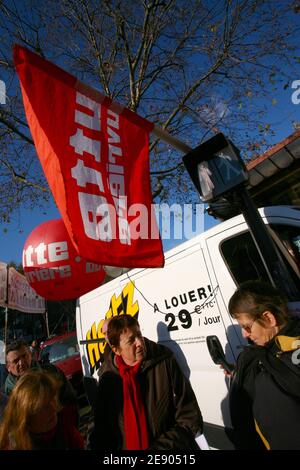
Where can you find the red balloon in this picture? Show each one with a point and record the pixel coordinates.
(52, 266)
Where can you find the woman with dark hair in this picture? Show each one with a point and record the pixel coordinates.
(144, 401)
(265, 391)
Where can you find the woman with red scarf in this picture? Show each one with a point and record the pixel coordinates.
(144, 400)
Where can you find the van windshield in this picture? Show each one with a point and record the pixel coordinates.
(60, 351)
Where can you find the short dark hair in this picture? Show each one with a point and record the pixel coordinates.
(117, 325)
(255, 297)
(15, 346)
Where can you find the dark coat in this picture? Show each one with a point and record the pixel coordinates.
(241, 401)
(10, 382)
(64, 437)
(263, 391)
(172, 412)
(3, 403)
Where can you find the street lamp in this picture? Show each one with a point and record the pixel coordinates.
(216, 170)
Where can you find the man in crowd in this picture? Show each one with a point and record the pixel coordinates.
(18, 360)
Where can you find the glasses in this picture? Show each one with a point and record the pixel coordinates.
(248, 328)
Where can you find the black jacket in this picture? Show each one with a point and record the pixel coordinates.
(241, 400)
(266, 391)
(172, 412)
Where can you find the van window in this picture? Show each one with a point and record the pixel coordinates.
(243, 259)
(290, 237)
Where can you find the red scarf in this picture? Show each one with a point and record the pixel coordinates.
(135, 424)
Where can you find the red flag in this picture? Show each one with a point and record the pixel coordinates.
(95, 155)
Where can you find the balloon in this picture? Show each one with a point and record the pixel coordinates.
(115, 271)
(52, 266)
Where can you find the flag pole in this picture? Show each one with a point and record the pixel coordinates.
(118, 108)
(47, 323)
(166, 137)
(46, 318)
(5, 326)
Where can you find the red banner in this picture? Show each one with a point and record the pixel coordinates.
(95, 155)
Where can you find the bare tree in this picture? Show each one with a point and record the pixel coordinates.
(194, 68)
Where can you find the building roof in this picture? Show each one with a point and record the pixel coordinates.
(276, 159)
(271, 174)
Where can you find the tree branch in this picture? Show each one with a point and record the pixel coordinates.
(13, 128)
(22, 179)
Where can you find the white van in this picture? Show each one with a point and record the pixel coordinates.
(186, 301)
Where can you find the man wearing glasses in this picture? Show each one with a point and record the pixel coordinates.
(265, 390)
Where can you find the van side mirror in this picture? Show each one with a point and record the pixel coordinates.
(217, 354)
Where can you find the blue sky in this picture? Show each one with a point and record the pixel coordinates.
(12, 241)
(283, 113)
